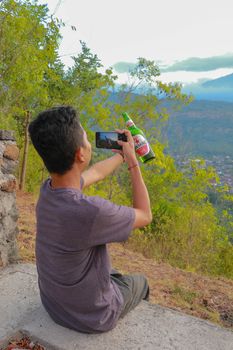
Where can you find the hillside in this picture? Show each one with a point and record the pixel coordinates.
(201, 296)
(203, 128)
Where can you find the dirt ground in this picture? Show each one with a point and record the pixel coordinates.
(201, 296)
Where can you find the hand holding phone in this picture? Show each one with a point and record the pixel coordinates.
(128, 148)
(108, 140)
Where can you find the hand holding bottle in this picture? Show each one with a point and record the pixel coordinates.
(141, 199)
(142, 147)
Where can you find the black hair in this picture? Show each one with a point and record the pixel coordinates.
(56, 134)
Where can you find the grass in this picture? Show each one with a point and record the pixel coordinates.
(187, 295)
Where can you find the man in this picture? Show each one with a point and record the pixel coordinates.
(77, 286)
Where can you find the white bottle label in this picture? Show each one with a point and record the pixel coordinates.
(129, 123)
(142, 147)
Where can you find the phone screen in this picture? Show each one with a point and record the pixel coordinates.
(107, 140)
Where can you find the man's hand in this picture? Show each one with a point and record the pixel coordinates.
(128, 148)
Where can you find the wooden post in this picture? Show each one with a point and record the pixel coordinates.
(25, 152)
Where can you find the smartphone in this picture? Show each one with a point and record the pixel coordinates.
(109, 139)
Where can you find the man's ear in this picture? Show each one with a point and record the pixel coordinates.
(79, 155)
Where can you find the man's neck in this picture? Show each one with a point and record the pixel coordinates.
(71, 179)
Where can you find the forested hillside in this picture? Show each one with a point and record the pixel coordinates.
(203, 128)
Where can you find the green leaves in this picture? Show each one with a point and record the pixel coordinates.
(28, 44)
(145, 71)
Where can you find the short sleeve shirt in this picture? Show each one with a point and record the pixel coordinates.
(72, 259)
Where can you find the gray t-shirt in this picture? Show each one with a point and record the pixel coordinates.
(72, 259)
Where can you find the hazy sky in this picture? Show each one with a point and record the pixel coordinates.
(165, 31)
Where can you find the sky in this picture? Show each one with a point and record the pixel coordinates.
(173, 33)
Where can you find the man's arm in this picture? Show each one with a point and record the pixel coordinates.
(100, 170)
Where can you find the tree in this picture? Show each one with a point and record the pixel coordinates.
(89, 89)
(28, 50)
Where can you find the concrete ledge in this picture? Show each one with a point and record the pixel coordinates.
(149, 326)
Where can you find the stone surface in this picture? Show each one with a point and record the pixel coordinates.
(8, 228)
(8, 166)
(13, 253)
(7, 135)
(3, 256)
(8, 211)
(149, 327)
(2, 148)
(8, 253)
(11, 152)
(8, 204)
(8, 183)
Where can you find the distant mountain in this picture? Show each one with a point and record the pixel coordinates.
(220, 89)
(223, 82)
(203, 128)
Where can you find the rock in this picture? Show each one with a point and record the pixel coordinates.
(8, 166)
(2, 148)
(8, 183)
(7, 203)
(11, 152)
(13, 253)
(9, 226)
(3, 256)
(7, 135)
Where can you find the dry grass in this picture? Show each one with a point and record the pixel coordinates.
(197, 295)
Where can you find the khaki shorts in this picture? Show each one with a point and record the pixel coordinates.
(134, 288)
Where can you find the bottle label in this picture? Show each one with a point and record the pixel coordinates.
(142, 147)
(129, 123)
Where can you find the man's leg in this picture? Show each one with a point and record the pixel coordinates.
(134, 288)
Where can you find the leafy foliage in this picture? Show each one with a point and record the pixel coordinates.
(28, 49)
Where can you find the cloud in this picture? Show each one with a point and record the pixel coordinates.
(197, 64)
(124, 67)
(192, 64)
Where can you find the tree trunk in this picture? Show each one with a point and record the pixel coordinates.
(25, 152)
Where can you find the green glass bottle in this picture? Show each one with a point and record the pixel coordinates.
(142, 147)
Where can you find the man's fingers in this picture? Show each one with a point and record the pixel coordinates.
(127, 133)
(123, 131)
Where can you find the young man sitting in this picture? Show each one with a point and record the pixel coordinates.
(78, 287)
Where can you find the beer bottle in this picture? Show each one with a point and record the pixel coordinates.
(142, 147)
